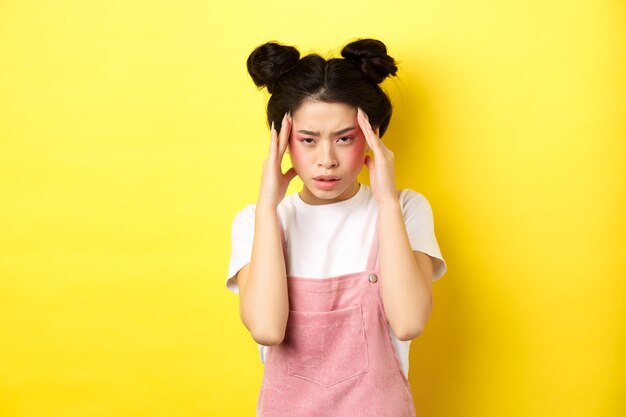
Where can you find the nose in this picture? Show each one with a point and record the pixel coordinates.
(327, 157)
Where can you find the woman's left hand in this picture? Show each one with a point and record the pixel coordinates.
(381, 166)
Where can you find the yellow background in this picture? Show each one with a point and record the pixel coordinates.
(131, 134)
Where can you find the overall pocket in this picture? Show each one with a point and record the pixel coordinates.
(326, 347)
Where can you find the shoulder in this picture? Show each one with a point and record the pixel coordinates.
(413, 200)
(245, 216)
(246, 211)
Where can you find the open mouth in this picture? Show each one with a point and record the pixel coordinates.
(326, 182)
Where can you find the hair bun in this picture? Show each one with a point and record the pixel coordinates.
(370, 56)
(268, 62)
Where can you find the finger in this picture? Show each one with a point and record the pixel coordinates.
(362, 126)
(285, 131)
(366, 128)
(273, 141)
(290, 174)
(379, 145)
(369, 128)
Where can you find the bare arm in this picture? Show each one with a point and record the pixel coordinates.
(264, 305)
(406, 285)
(263, 298)
(406, 275)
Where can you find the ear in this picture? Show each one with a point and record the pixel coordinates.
(377, 130)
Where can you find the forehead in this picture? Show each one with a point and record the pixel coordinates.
(322, 116)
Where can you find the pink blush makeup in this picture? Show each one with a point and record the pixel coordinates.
(355, 155)
(294, 150)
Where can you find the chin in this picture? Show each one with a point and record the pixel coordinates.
(328, 194)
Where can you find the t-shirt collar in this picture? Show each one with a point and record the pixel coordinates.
(340, 205)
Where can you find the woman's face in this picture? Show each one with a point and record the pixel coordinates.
(327, 151)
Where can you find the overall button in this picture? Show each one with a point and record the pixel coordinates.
(373, 278)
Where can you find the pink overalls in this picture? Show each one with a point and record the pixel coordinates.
(337, 359)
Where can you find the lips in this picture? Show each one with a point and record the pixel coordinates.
(326, 182)
(326, 178)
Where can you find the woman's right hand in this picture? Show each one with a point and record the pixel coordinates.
(273, 182)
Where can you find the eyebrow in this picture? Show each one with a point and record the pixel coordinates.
(308, 132)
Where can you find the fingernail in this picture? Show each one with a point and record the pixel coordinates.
(272, 125)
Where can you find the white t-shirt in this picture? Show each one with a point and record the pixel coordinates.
(334, 239)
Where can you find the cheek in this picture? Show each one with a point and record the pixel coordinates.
(356, 154)
(294, 152)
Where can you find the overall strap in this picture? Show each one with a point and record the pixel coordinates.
(373, 260)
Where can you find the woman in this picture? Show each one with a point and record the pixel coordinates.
(334, 281)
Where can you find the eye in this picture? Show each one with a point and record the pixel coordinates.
(307, 139)
(346, 139)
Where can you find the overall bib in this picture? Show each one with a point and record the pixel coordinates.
(337, 358)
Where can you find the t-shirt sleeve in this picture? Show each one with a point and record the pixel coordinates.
(420, 226)
(242, 235)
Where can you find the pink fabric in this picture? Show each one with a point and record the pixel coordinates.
(337, 358)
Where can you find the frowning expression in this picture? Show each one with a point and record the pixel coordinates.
(327, 150)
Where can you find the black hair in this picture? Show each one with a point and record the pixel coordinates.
(353, 79)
